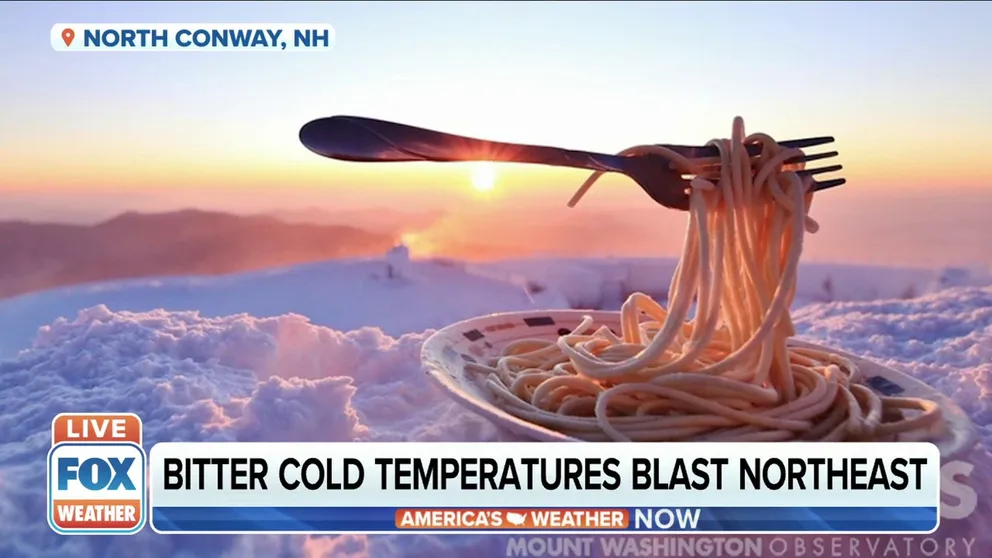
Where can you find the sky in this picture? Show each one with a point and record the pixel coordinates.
(904, 88)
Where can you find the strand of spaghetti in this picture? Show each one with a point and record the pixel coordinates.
(729, 372)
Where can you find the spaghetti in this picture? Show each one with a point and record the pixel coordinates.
(726, 374)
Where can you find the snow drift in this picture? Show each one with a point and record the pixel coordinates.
(283, 378)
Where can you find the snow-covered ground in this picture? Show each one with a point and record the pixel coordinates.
(234, 358)
(350, 294)
(344, 295)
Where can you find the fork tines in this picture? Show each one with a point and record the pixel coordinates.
(820, 186)
(821, 170)
(711, 152)
(826, 184)
(808, 157)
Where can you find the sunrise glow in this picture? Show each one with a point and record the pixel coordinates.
(483, 177)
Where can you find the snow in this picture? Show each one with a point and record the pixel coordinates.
(581, 281)
(350, 294)
(247, 365)
(343, 294)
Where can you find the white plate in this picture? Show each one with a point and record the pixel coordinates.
(448, 350)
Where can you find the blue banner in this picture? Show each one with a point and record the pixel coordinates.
(557, 520)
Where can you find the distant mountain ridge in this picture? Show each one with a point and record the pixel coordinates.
(376, 219)
(37, 256)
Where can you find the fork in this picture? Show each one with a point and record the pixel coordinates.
(355, 138)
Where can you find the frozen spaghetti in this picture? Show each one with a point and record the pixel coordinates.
(728, 372)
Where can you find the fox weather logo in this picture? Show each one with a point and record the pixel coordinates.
(96, 475)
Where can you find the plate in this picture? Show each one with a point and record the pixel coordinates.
(446, 353)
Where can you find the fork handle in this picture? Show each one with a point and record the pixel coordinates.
(355, 138)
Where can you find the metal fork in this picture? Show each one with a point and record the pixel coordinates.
(355, 138)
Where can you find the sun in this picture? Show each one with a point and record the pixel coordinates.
(483, 176)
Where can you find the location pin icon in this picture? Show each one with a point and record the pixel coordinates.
(68, 35)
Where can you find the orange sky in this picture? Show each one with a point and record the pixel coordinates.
(904, 88)
(908, 107)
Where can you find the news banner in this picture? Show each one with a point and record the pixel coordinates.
(98, 471)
